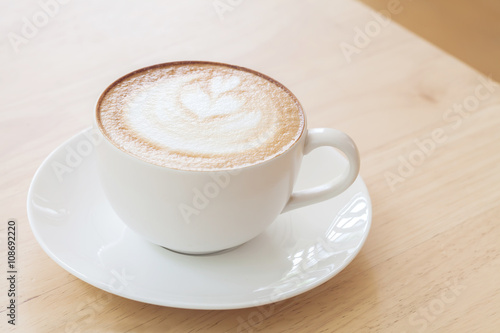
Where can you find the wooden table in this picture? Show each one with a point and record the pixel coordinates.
(427, 128)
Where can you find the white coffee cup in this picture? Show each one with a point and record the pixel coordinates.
(199, 212)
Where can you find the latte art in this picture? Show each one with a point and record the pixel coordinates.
(199, 116)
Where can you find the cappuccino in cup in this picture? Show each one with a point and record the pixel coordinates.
(200, 157)
(200, 116)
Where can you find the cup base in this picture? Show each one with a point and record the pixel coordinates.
(202, 253)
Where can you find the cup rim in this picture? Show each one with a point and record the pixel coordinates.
(99, 125)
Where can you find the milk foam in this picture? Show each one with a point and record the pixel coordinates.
(200, 116)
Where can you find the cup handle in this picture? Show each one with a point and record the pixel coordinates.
(319, 137)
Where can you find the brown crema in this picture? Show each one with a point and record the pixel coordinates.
(200, 116)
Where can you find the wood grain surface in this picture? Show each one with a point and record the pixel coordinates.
(427, 127)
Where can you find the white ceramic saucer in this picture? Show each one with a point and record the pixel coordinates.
(302, 249)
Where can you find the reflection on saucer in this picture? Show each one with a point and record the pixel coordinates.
(348, 226)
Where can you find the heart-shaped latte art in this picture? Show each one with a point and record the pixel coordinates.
(206, 114)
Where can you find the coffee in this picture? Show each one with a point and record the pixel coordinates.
(200, 116)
